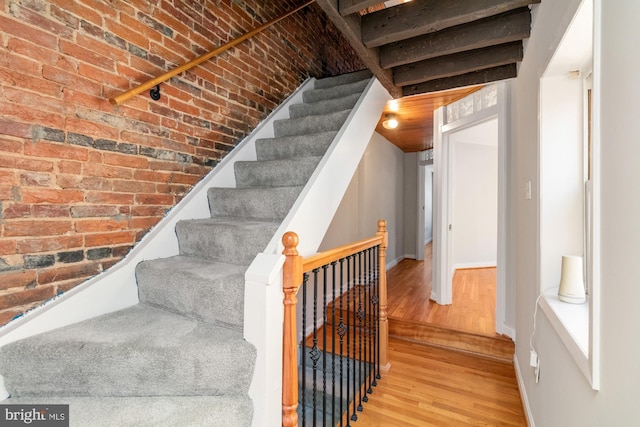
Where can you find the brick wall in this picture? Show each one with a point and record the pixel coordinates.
(81, 181)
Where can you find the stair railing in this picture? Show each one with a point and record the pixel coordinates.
(349, 285)
(118, 100)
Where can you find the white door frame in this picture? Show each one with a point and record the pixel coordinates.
(442, 274)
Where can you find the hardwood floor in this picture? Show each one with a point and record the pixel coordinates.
(474, 297)
(430, 386)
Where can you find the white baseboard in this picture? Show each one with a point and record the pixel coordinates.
(523, 393)
(482, 264)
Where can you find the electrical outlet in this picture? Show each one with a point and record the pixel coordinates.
(527, 190)
(533, 360)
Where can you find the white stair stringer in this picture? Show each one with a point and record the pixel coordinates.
(310, 218)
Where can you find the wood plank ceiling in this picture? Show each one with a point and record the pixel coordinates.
(425, 47)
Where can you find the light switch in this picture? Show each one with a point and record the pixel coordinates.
(527, 190)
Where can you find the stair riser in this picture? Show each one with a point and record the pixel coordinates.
(269, 204)
(342, 79)
(277, 173)
(311, 124)
(318, 108)
(294, 146)
(318, 95)
(193, 292)
(225, 242)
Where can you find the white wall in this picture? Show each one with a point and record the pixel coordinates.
(428, 204)
(475, 203)
(410, 204)
(563, 396)
(376, 192)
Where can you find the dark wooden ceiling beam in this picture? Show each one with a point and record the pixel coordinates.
(419, 17)
(478, 77)
(349, 26)
(348, 7)
(499, 29)
(458, 63)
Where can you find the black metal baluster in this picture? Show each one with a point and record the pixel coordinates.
(377, 301)
(368, 318)
(341, 331)
(361, 329)
(302, 403)
(324, 344)
(333, 343)
(315, 352)
(354, 417)
(354, 343)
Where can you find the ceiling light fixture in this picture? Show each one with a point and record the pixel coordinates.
(390, 121)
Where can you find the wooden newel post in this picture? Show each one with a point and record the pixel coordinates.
(385, 365)
(292, 278)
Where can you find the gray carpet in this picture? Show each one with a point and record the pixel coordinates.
(178, 357)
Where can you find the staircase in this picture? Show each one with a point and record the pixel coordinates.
(179, 356)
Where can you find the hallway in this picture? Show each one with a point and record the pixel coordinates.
(430, 383)
(474, 297)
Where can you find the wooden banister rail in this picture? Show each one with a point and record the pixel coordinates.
(293, 269)
(118, 100)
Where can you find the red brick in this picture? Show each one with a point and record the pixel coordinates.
(15, 298)
(67, 79)
(106, 239)
(10, 145)
(66, 285)
(7, 178)
(55, 151)
(94, 211)
(65, 166)
(7, 315)
(86, 55)
(143, 222)
(12, 162)
(148, 210)
(127, 33)
(37, 36)
(36, 228)
(33, 179)
(107, 171)
(109, 198)
(49, 244)
(42, 22)
(11, 78)
(89, 128)
(154, 199)
(44, 195)
(17, 279)
(126, 161)
(100, 225)
(45, 103)
(7, 247)
(84, 183)
(133, 187)
(16, 210)
(151, 176)
(50, 211)
(60, 274)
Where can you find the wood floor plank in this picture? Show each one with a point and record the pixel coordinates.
(430, 386)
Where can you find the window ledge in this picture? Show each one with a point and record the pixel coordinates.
(571, 322)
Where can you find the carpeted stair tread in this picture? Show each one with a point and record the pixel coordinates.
(325, 107)
(275, 173)
(317, 95)
(294, 146)
(194, 287)
(342, 79)
(227, 240)
(266, 204)
(138, 351)
(311, 124)
(192, 411)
